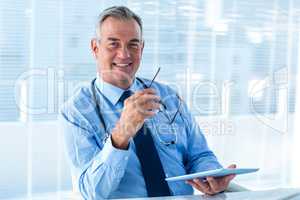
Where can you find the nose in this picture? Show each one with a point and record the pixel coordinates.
(123, 53)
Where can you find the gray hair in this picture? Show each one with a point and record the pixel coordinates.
(118, 12)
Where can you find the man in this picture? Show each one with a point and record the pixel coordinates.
(124, 135)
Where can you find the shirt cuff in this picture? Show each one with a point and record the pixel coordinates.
(113, 157)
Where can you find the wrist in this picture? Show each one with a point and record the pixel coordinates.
(119, 139)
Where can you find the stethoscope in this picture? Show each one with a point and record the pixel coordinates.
(93, 87)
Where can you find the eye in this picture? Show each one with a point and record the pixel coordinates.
(113, 45)
(134, 45)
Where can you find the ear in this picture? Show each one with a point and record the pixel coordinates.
(143, 44)
(94, 47)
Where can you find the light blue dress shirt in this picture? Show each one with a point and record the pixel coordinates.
(103, 171)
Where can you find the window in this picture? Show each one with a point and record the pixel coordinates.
(214, 40)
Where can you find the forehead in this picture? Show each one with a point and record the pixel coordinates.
(120, 29)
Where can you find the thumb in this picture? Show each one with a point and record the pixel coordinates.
(232, 166)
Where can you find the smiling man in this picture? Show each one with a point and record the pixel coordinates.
(118, 50)
(124, 135)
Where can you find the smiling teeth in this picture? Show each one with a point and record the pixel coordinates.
(122, 65)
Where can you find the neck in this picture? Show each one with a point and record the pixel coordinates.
(123, 84)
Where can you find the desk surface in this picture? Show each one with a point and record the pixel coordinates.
(276, 194)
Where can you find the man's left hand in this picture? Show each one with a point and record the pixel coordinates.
(212, 185)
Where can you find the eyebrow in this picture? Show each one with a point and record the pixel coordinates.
(116, 39)
(112, 39)
(135, 40)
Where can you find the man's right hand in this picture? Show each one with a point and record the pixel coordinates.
(141, 105)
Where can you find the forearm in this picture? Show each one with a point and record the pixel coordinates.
(200, 157)
(105, 172)
(204, 161)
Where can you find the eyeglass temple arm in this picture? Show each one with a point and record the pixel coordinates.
(154, 77)
(180, 102)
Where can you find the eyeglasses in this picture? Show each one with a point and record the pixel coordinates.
(163, 108)
(169, 137)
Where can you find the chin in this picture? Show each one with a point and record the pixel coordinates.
(123, 78)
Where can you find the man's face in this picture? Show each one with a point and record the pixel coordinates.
(119, 51)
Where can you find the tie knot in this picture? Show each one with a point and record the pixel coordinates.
(125, 95)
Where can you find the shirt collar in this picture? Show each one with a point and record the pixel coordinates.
(111, 92)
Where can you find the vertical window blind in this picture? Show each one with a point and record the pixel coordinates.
(200, 45)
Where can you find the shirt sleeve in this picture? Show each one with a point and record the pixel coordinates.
(97, 169)
(200, 157)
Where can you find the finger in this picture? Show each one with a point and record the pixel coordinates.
(149, 91)
(149, 97)
(151, 106)
(147, 100)
(195, 185)
(148, 110)
(140, 100)
(136, 95)
(214, 184)
(146, 113)
(144, 91)
(232, 166)
(203, 186)
(230, 177)
(224, 181)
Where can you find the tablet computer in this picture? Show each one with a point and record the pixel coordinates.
(214, 173)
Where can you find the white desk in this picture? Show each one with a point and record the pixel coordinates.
(276, 194)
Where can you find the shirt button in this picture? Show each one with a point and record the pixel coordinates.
(126, 157)
(167, 175)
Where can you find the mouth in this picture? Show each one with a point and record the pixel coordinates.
(123, 71)
(122, 65)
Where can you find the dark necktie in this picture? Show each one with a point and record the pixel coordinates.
(152, 169)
